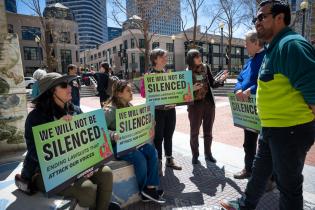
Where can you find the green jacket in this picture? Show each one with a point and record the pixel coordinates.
(286, 81)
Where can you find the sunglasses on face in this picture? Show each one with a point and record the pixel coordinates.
(261, 17)
(63, 85)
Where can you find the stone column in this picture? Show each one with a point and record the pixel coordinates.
(13, 108)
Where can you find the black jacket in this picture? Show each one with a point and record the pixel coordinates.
(34, 118)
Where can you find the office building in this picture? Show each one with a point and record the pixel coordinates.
(113, 33)
(91, 17)
(10, 5)
(166, 15)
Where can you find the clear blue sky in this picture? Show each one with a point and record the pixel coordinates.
(23, 9)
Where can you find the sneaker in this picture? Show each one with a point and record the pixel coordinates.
(152, 194)
(114, 206)
(160, 192)
(170, 163)
(145, 199)
(232, 205)
(195, 160)
(243, 174)
(210, 158)
(23, 185)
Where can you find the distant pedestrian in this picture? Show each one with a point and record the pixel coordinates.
(37, 75)
(203, 109)
(75, 84)
(101, 78)
(286, 108)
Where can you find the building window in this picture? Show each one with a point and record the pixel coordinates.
(33, 53)
(10, 28)
(104, 53)
(125, 44)
(29, 33)
(91, 58)
(170, 47)
(75, 38)
(141, 43)
(77, 56)
(215, 49)
(170, 59)
(114, 49)
(95, 56)
(65, 37)
(132, 43)
(66, 59)
(155, 45)
(99, 55)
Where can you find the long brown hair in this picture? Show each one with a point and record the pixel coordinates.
(118, 87)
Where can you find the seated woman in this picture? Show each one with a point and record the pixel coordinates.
(54, 102)
(143, 158)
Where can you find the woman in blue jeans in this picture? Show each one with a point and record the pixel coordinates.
(144, 158)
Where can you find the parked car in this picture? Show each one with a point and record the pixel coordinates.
(29, 81)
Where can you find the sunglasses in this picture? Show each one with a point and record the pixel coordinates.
(63, 85)
(261, 17)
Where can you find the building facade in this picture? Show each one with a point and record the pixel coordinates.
(113, 33)
(126, 58)
(10, 6)
(61, 40)
(91, 17)
(163, 15)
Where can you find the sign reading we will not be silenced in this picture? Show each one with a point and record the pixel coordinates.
(244, 113)
(67, 150)
(169, 88)
(135, 126)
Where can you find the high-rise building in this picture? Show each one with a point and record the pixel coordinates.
(91, 17)
(10, 5)
(167, 23)
(114, 33)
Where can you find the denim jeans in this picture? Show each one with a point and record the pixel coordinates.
(281, 151)
(145, 162)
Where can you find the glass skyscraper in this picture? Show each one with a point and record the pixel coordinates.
(10, 5)
(91, 16)
(169, 23)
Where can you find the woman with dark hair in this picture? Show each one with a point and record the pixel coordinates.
(165, 116)
(203, 109)
(53, 103)
(144, 158)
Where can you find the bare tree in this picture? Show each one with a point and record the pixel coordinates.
(194, 10)
(147, 14)
(233, 16)
(250, 8)
(50, 37)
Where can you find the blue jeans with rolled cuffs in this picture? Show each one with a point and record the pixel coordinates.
(281, 151)
(145, 162)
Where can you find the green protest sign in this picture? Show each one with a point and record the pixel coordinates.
(67, 150)
(135, 126)
(169, 88)
(244, 113)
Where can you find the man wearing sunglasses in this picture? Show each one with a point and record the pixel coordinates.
(286, 107)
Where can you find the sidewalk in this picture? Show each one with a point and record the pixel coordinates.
(203, 186)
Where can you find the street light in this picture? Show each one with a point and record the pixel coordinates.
(173, 39)
(238, 59)
(221, 26)
(212, 42)
(304, 7)
(37, 40)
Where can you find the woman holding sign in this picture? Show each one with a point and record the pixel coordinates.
(165, 116)
(53, 103)
(203, 109)
(144, 158)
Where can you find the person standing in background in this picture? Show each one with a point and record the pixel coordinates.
(75, 84)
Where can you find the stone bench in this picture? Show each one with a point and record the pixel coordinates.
(125, 191)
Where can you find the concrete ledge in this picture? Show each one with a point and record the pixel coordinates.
(125, 189)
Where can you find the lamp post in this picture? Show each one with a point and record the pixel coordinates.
(211, 59)
(221, 26)
(37, 40)
(304, 7)
(238, 59)
(173, 39)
